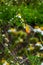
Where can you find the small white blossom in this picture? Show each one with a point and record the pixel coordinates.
(5, 63)
(6, 39)
(37, 44)
(9, 51)
(37, 30)
(19, 15)
(42, 63)
(6, 44)
(41, 32)
(12, 61)
(12, 30)
(41, 48)
(3, 35)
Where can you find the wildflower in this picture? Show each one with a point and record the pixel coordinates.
(20, 57)
(41, 48)
(9, 51)
(22, 19)
(6, 39)
(42, 63)
(6, 63)
(6, 44)
(21, 40)
(3, 35)
(18, 15)
(38, 44)
(12, 30)
(37, 30)
(41, 32)
(30, 48)
(38, 54)
(12, 61)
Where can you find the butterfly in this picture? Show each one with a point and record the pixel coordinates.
(27, 29)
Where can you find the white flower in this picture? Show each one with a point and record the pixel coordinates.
(9, 51)
(41, 32)
(5, 63)
(41, 48)
(3, 35)
(6, 44)
(6, 39)
(37, 30)
(42, 63)
(19, 15)
(12, 30)
(38, 44)
(12, 61)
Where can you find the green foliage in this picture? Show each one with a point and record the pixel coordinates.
(14, 14)
(34, 60)
(30, 15)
